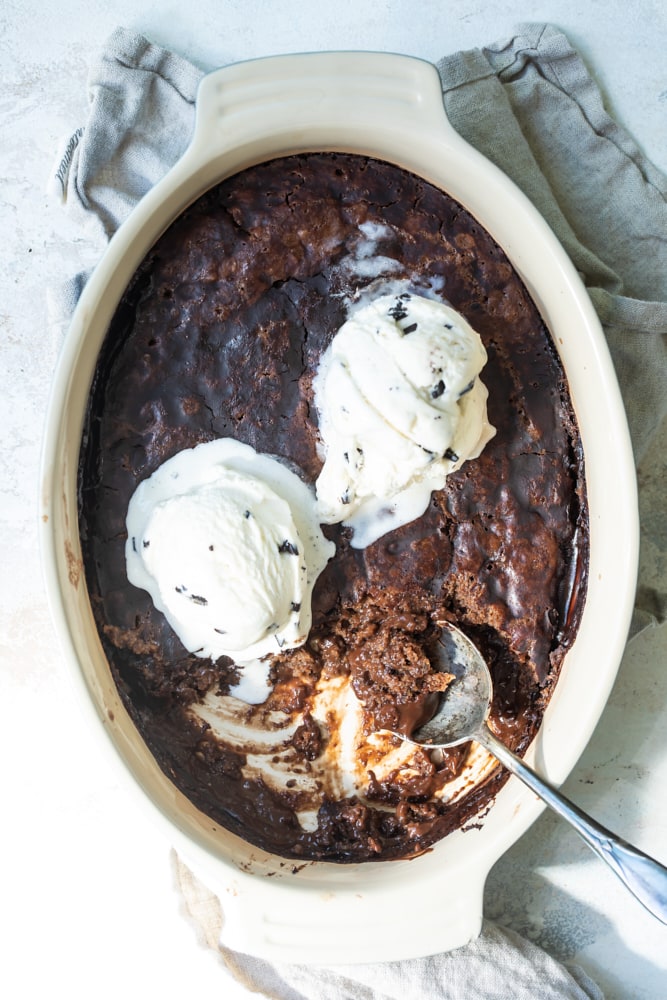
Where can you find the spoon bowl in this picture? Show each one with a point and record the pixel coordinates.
(465, 705)
(463, 715)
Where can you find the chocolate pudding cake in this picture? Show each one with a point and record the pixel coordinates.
(220, 335)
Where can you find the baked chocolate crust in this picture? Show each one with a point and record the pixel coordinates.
(219, 334)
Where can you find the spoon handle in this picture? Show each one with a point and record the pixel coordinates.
(643, 876)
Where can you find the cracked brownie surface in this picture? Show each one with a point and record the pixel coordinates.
(219, 334)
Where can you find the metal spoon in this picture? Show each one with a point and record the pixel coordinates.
(462, 716)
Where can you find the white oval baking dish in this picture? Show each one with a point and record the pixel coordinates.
(389, 107)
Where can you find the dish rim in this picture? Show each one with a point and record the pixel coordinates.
(245, 112)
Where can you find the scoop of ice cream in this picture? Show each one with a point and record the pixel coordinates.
(227, 543)
(400, 406)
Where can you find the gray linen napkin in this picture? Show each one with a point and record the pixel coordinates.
(528, 104)
(531, 107)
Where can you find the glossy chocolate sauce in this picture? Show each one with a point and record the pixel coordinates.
(220, 334)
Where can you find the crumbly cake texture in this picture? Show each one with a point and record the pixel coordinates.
(219, 334)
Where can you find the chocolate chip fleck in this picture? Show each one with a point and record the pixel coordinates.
(438, 390)
(410, 329)
(145, 543)
(451, 455)
(288, 548)
(295, 607)
(134, 544)
(397, 312)
(196, 599)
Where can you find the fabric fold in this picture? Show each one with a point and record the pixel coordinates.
(141, 118)
(531, 106)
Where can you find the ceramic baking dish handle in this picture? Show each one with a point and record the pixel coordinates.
(337, 100)
(333, 924)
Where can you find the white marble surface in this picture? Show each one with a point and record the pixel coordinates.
(87, 904)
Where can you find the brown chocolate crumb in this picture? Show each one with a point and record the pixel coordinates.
(307, 739)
